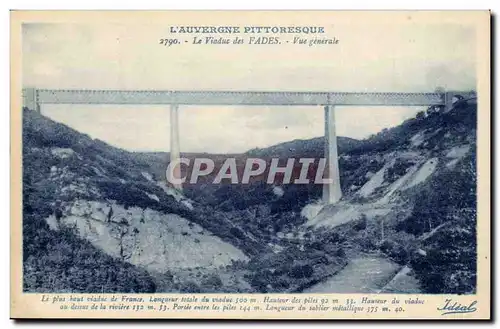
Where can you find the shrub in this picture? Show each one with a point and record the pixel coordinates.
(260, 280)
(213, 281)
(360, 224)
(301, 271)
(394, 250)
(237, 232)
(281, 284)
(189, 287)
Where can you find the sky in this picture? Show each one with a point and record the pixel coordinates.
(381, 57)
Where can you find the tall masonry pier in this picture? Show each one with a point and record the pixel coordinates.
(34, 99)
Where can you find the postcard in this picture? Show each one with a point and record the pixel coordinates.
(250, 164)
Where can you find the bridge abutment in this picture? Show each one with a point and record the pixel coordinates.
(30, 99)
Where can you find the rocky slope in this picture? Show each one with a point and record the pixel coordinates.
(413, 199)
(147, 238)
(102, 195)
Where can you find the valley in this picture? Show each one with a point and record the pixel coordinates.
(100, 219)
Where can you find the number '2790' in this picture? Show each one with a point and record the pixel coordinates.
(169, 42)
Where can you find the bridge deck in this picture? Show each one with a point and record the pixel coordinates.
(52, 96)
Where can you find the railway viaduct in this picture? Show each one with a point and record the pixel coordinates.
(34, 99)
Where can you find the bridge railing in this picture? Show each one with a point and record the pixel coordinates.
(33, 98)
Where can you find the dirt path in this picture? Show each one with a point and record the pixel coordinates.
(363, 274)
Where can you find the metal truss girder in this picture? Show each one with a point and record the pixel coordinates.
(70, 96)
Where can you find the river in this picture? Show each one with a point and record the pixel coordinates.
(365, 274)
